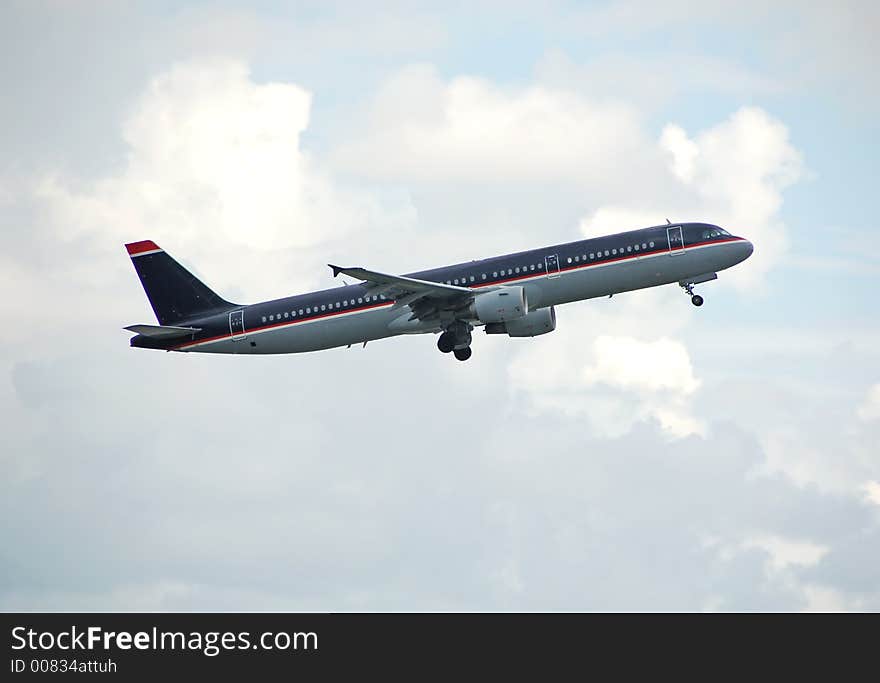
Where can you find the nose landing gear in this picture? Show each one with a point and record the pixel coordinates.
(688, 287)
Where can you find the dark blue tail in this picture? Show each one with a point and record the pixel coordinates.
(175, 294)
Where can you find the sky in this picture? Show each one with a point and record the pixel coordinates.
(647, 455)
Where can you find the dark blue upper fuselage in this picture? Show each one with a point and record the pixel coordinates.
(504, 269)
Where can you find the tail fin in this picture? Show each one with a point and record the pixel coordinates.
(174, 293)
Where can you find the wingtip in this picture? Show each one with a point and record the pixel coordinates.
(336, 269)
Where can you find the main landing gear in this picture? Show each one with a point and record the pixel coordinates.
(457, 339)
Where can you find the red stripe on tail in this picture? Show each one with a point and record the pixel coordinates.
(136, 248)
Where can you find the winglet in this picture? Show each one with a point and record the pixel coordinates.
(336, 269)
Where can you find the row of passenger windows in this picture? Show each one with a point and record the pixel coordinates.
(612, 252)
(308, 310)
(540, 266)
(462, 281)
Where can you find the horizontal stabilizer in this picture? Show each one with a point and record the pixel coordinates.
(162, 331)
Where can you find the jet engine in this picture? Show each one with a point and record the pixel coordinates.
(532, 324)
(500, 305)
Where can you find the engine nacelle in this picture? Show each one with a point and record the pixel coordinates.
(532, 324)
(500, 305)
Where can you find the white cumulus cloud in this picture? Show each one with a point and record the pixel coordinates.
(732, 174)
(618, 381)
(870, 407)
(215, 166)
(469, 129)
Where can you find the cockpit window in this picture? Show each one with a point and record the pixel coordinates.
(712, 233)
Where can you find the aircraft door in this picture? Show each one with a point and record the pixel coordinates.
(236, 325)
(552, 264)
(675, 239)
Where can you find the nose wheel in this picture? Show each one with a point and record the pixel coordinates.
(696, 299)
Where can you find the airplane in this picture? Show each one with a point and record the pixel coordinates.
(514, 294)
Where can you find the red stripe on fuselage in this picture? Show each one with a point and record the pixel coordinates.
(286, 323)
(594, 263)
(513, 278)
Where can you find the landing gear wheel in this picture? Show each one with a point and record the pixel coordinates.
(697, 300)
(463, 354)
(446, 342)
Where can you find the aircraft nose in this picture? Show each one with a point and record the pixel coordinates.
(745, 250)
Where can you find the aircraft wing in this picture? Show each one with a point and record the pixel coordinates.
(426, 299)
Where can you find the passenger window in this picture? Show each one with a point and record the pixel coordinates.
(650, 244)
(569, 259)
(509, 271)
(592, 255)
(614, 251)
(285, 314)
(264, 318)
(540, 266)
(272, 317)
(483, 276)
(532, 267)
(629, 248)
(517, 269)
(607, 253)
(644, 246)
(495, 273)
(472, 278)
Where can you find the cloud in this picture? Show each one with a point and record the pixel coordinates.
(870, 407)
(470, 130)
(215, 165)
(656, 80)
(784, 553)
(731, 174)
(619, 382)
(793, 42)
